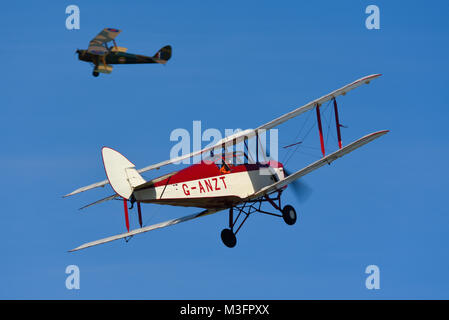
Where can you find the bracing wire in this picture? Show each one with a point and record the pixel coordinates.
(297, 136)
(289, 154)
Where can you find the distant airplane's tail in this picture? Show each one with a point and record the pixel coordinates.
(121, 172)
(163, 55)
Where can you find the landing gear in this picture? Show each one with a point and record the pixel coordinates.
(228, 237)
(95, 73)
(289, 215)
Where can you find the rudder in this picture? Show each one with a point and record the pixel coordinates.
(121, 172)
(163, 55)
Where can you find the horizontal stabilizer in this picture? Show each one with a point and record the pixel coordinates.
(89, 187)
(146, 229)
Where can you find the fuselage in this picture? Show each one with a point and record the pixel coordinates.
(114, 57)
(209, 185)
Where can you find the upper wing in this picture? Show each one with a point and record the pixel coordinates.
(96, 44)
(317, 164)
(146, 229)
(249, 133)
(320, 101)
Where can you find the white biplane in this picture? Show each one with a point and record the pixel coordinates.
(226, 181)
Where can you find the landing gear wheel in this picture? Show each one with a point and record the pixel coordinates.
(289, 215)
(228, 238)
(95, 73)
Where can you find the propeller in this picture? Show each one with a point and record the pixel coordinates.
(301, 190)
(79, 52)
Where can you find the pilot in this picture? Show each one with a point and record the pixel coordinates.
(224, 168)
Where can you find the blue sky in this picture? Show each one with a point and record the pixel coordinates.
(235, 65)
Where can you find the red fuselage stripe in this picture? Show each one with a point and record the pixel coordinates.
(206, 169)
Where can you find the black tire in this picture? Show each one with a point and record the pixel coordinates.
(289, 215)
(95, 74)
(228, 238)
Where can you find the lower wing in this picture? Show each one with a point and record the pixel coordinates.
(146, 229)
(318, 164)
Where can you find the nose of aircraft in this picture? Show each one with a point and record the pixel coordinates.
(80, 53)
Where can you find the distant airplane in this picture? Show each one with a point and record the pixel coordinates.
(103, 56)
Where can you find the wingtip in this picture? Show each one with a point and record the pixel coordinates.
(74, 249)
(368, 79)
(380, 132)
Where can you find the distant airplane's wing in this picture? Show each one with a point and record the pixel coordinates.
(146, 229)
(249, 133)
(317, 164)
(96, 45)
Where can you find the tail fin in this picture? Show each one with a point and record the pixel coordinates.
(163, 55)
(121, 172)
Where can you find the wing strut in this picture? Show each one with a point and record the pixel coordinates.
(320, 129)
(139, 210)
(337, 123)
(317, 164)
(125, 204)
